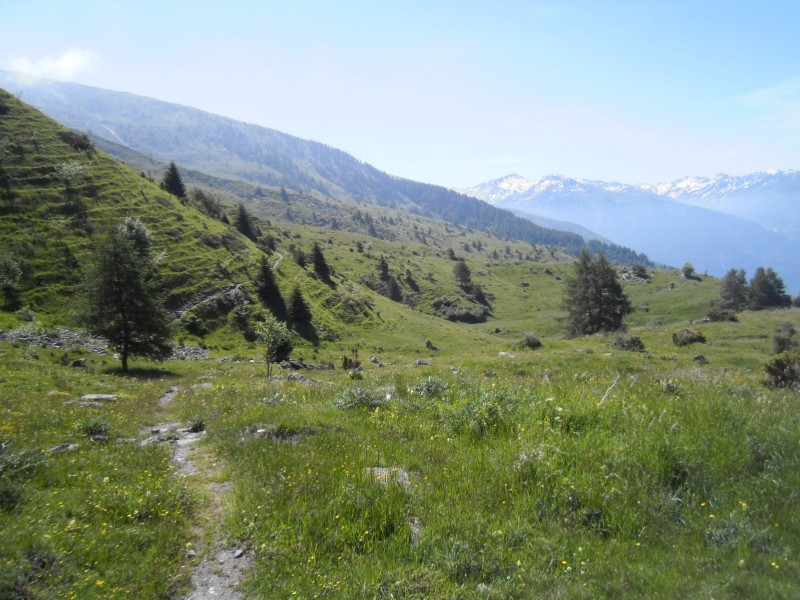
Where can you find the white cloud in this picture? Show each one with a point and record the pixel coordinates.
(62, 67)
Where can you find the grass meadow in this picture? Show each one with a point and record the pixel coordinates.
(572, 471)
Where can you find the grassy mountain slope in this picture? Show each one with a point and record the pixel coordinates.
(578, 470)
(233, 150)
(57, 197)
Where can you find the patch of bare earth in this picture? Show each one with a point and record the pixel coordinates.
(217, 567)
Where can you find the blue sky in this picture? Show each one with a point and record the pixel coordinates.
(455, 93)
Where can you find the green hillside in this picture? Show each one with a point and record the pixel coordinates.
(458, 464)
(243, 152)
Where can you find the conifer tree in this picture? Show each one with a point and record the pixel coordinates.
(320, 265)
(172, 182)
(268, 291)
(299, 312)
(123, 298)
(244, 224)
(393, 290)
(594, 298)
(462, 273)
(733, 291)
(767, 290)
(383, 269)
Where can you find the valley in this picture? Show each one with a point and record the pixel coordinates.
(452, 458)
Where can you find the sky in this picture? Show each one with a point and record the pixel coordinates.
(455, 92)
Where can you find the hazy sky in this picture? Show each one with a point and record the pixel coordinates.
(455, 93)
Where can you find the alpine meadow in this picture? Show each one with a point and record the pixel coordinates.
(259, 368)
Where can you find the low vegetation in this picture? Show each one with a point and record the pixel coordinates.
(451, 453)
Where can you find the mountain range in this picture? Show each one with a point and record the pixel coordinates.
(237, 151)
(714, 223)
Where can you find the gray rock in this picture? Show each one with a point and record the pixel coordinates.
(61, 448)
(421, 362)
(389, 475)
(298, 378)
(99, 398)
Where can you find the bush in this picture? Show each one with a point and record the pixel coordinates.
(432, 386)
(784, 338)
(360, 397)
(631, 343)
(721, 315)
(452, 310)
(687, 337)
(95, 428)
(78, 141)
(784, 371)
(530, 341)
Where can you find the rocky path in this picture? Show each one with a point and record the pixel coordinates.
(218, 567)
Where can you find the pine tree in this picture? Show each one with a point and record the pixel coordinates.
(320, 265)
(733, 292)
(383, 269)
(123, 299)
(268, 291)
(172, 182)
(244, 224)
(462, 273)
(299, 312)
(594, 298)
(767, 290)
(393, 290)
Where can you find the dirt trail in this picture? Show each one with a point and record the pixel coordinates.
(218, 572)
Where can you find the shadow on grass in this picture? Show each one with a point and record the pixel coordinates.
(143, 373)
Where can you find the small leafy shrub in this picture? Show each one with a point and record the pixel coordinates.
(360, 397)
(488, 413)
(14, 464)
(530, 341)
(10, 494)
(432, 386)
(451, 309)
(721, 315)
(784, 339)
(95, 428)
(784, 371)
(687, 337)
(627, 342)
(78, 141)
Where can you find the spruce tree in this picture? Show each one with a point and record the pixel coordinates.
(244, 224)
(393, 290)
(733, 291)
(268, 291)
(299, 312)
(172, 182)
(320, 265)
(462, 273)
(123, 298)
(767, 290)
(594, 298)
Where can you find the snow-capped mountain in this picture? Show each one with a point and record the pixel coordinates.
(668, 231)
(769, 198)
